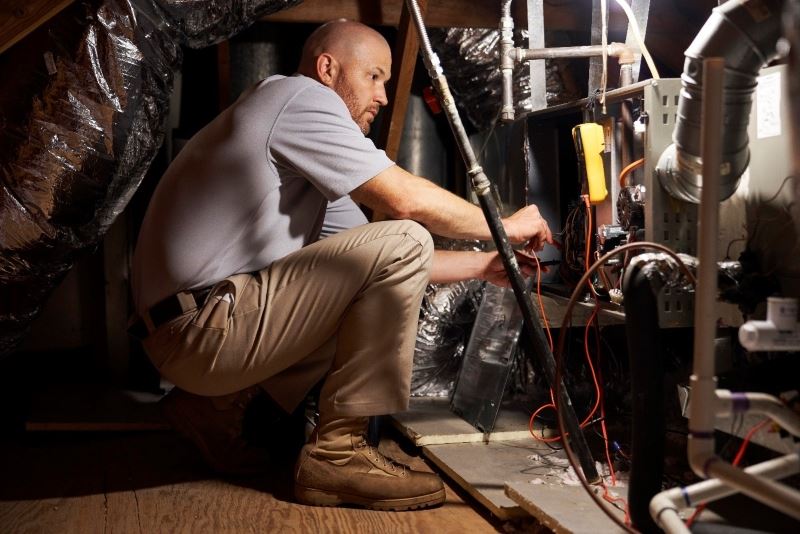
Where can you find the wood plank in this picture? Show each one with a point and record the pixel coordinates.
(429, 421)
(442, 13)
(403, 67)
(483, 469)
(154, 482)
(404, 62)
(18, 18)
(564, 509)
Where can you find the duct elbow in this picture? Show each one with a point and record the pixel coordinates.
(745, 34)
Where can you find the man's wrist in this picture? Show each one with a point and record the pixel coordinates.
(510, 228)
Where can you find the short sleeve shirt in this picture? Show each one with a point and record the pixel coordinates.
(253, 186)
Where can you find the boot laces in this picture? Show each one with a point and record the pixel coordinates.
(385, 461)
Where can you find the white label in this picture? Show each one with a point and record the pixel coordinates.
(768, 105)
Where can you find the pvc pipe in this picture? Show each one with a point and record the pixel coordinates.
(773, 494)
(665, 506)
(780, 331)
(730, 403)
(702, 409)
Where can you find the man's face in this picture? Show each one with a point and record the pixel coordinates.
(362, 79)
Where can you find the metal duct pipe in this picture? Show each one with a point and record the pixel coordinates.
(744, 33)
(423, 152)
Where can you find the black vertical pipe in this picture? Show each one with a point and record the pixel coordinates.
(534, 337)
(646, 356)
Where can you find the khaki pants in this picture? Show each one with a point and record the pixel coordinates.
(346, 306)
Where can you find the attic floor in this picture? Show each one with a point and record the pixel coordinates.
(154, 482)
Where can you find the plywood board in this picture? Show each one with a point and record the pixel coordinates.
(564, 509)
(483, 470)
(429, 421)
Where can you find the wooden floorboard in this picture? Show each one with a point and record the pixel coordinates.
(154, 482)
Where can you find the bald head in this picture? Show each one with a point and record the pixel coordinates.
(353, 60)
(345, 40)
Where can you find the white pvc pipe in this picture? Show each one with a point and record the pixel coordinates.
(733, 403)
(702, 412)
(773, 494)
(664, 507)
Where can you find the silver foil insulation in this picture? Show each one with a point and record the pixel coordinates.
(91, 136)
(470, 62)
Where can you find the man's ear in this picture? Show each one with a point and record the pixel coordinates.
(327, 69)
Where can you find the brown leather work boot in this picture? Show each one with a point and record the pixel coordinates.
(214, 425)
(367, 478)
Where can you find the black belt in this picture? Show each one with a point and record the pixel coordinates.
(168, 309)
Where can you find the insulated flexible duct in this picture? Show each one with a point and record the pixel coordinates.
(646, 353)
(91, 136)
(744, 33)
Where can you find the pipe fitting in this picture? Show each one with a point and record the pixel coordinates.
(779, 332)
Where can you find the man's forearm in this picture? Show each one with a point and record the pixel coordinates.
(401, 195)
(446, 214)
(455, 266)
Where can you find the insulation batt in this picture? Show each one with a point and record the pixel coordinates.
(91, 136)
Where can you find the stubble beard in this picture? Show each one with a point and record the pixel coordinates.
(350, 100)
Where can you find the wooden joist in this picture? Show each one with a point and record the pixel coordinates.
(18, 18)
(442, 13)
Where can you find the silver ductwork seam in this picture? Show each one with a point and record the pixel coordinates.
(91, 136)
(745, 33)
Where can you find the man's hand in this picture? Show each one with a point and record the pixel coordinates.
(527, 226)
(495, 273)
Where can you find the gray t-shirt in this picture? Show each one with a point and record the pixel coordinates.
(254, 185)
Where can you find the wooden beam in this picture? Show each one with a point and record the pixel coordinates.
(405, 60)
(442, 13)
(18, 18)
(403, 64)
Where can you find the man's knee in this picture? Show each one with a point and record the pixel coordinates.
(419, 234)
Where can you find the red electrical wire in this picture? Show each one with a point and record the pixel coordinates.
(595, 380)
(736, 460)
(541, 304)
